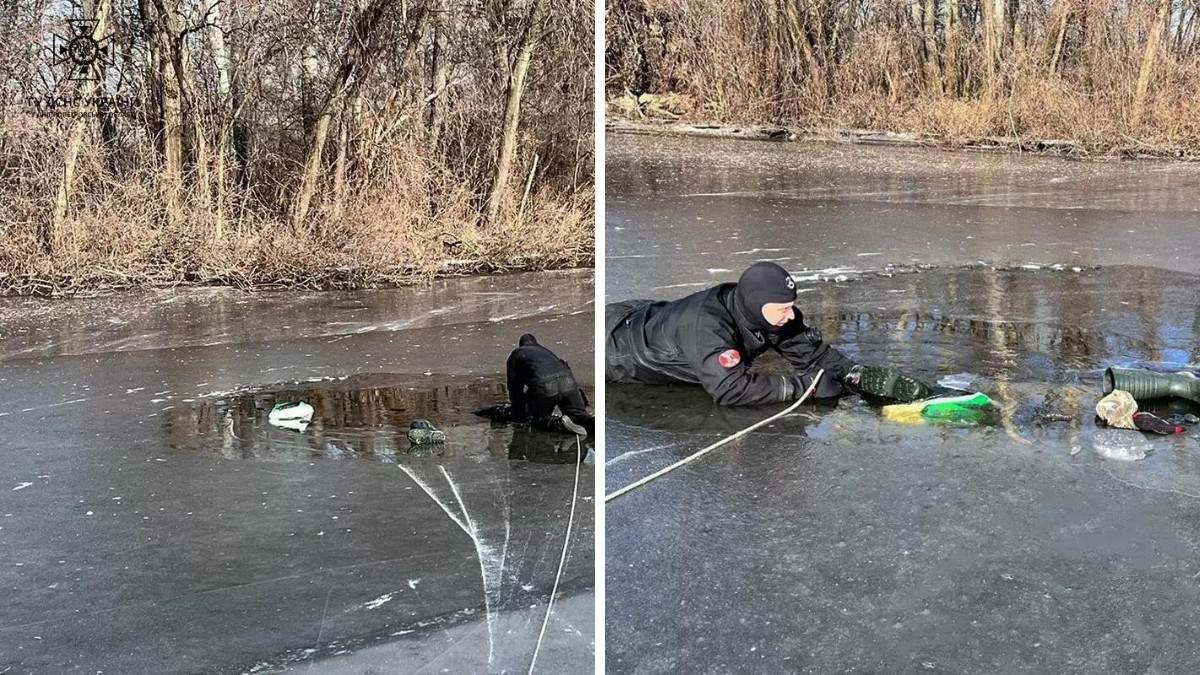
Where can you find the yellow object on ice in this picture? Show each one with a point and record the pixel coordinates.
(965, 409)
(905, 413)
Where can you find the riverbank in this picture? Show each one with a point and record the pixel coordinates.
(1110, 78)
(106, 282)
(1060, 147)
(370, 248)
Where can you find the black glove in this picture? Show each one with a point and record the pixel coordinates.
(800, 382)
(499, 413)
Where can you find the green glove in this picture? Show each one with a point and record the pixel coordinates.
(887, 383)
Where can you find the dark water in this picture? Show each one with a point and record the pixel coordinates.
(363, 417)
(1036, 341)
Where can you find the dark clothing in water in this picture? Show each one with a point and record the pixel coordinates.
(710, 338)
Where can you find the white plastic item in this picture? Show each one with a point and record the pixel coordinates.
(294, 416)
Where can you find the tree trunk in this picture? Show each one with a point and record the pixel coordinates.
(1152, 44)
(350, 74)
(1009, 15)
(165, 32)
(1186, 16)
(929, 28)
(339, 165)
(799, 39)
(309, 75)
(512, 107)
(308, 85)
(993, 30)
(62, 199)
(216, 40)
(1064, 16)
(242, 139)
(440, 76)
(196, 124)
(346, 152)
(951, 29)
(185, 95)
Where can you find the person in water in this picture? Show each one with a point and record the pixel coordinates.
(711, 338)
(543, 392)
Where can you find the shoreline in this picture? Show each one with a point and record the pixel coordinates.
(329, 279)
(1063, 148)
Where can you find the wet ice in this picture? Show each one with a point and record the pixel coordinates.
(818, 532)
(214, 517)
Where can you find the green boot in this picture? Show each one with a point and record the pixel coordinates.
(887, 383)
(422, 432)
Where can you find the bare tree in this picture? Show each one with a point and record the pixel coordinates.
(224, 147)
(1154, 39)
(74, 141)
(355, 61)
(512, 106)
(1064, 15)
(933, 73)
(951, 27)
(441, 73)
(275, 139)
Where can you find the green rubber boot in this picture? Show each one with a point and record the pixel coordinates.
(422, 432)
(1144, 384)
(890, 383)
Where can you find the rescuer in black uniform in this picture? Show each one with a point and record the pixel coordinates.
(543, 392)
(711, 337)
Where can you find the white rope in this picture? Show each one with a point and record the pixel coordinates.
(563, 558)
(714, 446)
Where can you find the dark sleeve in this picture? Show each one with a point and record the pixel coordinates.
(516, 387)
(806, 351)
(735, 385)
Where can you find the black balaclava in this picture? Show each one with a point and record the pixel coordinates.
(761, 283)
(526, 340)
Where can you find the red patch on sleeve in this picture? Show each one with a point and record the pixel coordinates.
(729, 358)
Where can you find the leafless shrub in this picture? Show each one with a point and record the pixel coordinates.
(297, 141)
(1110, 74)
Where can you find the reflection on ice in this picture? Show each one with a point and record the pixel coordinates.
(364, 417)
(1035, 341)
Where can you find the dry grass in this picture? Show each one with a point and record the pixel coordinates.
(412, 202)
(118, 235)
(870, 68)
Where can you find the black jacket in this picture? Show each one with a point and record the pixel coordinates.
(684, 340)
(535, 371)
